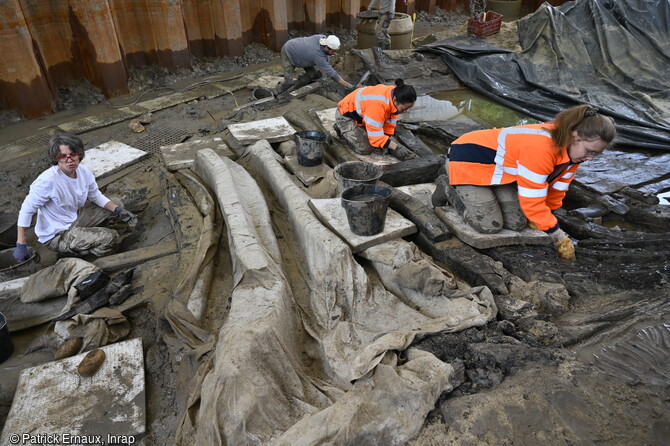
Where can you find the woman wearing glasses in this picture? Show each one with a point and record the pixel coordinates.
(58, 197)
(503, 178)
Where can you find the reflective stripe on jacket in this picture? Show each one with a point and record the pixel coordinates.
(524, 154)
(374, 108)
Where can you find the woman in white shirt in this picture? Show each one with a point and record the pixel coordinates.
(58, 195)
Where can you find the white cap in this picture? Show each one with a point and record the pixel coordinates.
(331, 42)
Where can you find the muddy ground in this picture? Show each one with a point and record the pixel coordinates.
(592, 369)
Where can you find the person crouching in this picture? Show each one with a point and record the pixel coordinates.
(66, 223)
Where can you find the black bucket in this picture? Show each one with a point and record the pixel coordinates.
(366, 206)
(10, 269)
(259, 93)
(6, 346)
(354, 173)
(309, 147)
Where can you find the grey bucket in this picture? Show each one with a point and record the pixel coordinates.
(309, 147)
(353, 173)
(6, 346)
(10, 269)
(366, 206)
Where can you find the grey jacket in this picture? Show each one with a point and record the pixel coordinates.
(305, 52)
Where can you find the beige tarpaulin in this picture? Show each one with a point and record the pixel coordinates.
(57, 280)
(323, 369)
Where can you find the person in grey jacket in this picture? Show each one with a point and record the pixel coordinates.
(311, 54)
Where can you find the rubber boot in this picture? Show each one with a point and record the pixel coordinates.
(283, 86)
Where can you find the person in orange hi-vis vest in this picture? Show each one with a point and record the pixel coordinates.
(503, 178)
(366, 118)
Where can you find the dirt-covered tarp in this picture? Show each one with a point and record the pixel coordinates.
(612, 54)
(330, 366)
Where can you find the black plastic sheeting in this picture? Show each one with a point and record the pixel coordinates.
(612, 54)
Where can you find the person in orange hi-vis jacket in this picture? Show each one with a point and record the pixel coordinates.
(503, 178)
(366, 118)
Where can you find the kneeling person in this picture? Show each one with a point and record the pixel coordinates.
(65, 222)
(312, 55)
(503, 178)
(366, 118)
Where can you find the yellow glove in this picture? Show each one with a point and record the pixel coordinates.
(532, 225)
(565, 249)
(563, 245)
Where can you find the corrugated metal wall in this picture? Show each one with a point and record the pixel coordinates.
(47, 44)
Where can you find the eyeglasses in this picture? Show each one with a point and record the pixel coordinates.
(70, 157)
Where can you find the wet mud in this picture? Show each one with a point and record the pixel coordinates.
(589, 367)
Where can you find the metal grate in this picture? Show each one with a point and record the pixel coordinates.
(37, 143)
(161, 136)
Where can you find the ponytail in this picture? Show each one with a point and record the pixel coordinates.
(586, 121)
(404, 94)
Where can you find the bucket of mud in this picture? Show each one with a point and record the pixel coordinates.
(366, 206)
(10, 269)
(309, 147)
(353, 173)
(6, 346)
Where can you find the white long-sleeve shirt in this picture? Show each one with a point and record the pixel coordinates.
(56, 198)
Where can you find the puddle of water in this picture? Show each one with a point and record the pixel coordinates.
(664, 197)
(427, 108)
(481, 109)
(614, 221)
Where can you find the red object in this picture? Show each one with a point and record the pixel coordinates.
(490, 25)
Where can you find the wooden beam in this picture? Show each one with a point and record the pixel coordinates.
(415, 171)
(128, 259)
(421, 215)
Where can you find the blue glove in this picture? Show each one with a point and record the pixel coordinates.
(21, 253)
(126, 216)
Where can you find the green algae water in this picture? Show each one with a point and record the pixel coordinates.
(483, 110)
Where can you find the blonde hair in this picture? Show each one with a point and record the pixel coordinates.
(586, 121)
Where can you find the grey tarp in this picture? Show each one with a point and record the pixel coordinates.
(321, 366)
(613, 54)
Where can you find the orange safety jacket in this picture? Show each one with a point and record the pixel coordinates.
(373, 107)
(525, 154)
